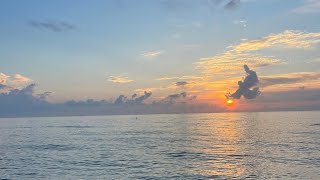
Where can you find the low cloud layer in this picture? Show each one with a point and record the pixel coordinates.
(179, 98)
(21, 102)
(247, 88)
(135, 99)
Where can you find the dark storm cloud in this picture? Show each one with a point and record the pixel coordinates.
(56, 26)
(247, 87)
(181, 83)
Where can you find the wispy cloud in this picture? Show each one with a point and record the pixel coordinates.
(287, 39)
(165, 78)
(309, 6)
(188, 5)
(246, 52)
(56, 26)
(152, 54)
(242, 23)
(233, 4)
(119, 79)
(291, 78)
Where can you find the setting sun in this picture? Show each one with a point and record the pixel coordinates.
(229, 102)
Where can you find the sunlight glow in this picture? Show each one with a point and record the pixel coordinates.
(230, 102)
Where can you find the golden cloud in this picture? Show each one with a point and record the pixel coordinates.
(231, 61)
(119, 79)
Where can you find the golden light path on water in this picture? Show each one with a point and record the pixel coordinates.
(219, 140)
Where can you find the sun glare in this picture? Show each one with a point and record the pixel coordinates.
(229, 102)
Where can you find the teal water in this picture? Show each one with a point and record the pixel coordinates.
(265, 145)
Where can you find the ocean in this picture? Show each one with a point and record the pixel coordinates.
(259, 145)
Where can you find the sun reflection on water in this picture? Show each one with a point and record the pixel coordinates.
(219, 142)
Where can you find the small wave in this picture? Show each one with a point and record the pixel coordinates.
(70, 126)
(185, 154)
(46, 147)
(317, 124)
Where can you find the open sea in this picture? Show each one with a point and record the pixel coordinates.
(262, 145)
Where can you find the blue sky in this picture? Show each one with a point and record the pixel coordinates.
(100, 49)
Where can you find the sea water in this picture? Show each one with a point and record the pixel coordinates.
(262, 145)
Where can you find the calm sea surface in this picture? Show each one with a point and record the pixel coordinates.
(266, 145)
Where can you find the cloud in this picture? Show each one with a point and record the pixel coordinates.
(181, 83)
(233, 4)
(172, 98)
(246, 52)
(55, 26)
(179, 78)
(242, 23)
(141, 99)
(19, 80)
(247, 88)
(15, 81)
(178, 98)
(290, 78)
(152, 54)
(134, 95)
(21, 101)
(309, 6)
(188, 5)
(175, 96)
(122, 99)
(3, 78)
(44, 95)
(287, 98)
(4, 88)
(288, 39)
(119, 79)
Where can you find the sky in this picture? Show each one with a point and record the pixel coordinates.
(182, 52)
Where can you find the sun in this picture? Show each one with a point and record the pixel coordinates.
(229, 102)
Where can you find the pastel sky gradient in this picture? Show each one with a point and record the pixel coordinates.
(79, 49)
